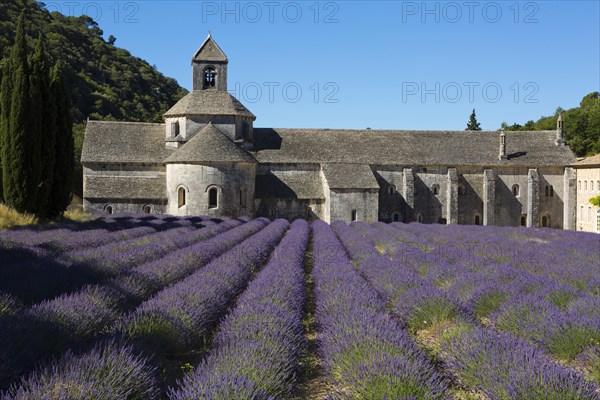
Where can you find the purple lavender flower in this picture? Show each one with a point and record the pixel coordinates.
(107, 372)
(257, 345)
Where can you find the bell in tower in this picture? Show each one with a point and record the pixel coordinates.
(209, 66)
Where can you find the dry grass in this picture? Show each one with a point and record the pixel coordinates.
(10, 218)
(77, 215)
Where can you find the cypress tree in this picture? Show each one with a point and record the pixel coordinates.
(44, 121)
(5, 94)
(64, 166)
(20, 172)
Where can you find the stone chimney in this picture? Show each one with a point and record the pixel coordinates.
(559, 141)
(502, 155)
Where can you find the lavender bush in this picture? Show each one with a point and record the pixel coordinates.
(178, 318)
(109, 371)
(365, 352)
(505, 367)
(256, 349)
(47, 329)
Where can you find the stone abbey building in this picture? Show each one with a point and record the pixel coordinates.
(207, 158)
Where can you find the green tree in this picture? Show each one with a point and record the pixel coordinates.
(44, 117)
(64, 165)
(20, 175)
(581, 125)
(473, 125)
(5, 94)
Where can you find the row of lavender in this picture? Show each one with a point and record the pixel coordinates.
(447, 290)
(74, 320)
(256, 349)
(366, 353)
(264, 329)
(49, 263)
(548, 292)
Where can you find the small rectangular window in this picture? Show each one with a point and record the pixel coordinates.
(353, 216)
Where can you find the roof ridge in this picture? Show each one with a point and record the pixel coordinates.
(401, 130)
(125, 122)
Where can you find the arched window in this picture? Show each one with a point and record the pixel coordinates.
(210, 77)
(392, 189)
(309, 213)
(420, 218)
(551, 191)
(523, 220)
(435, 189)
(589, 216)
(396, 217)
(477, 220)
(592, 186)
(353, 217)
(579, 185)
(108, 209)
(243, 197)
(545, 221)
(598, 185)
(547, 191)
(585, 186)
(147, 209)
(271, 213)
(515, 190)
(181, 194)
(213, 197)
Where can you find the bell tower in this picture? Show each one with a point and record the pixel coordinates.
(209, 66)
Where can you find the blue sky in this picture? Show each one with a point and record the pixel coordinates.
(378, 64)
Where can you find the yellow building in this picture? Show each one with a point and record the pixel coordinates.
(588, 186)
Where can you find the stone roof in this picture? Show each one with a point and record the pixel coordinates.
(209, 145)
(286, 185)
(124, 142)
(374, 147)
(349, 176)
(208, 102)
(593, 161)
(209, 51)
(126, 188)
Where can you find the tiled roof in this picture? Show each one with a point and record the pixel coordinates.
(209, 50)
(209, 145)
(123, 142)
(286, 185)
(126, 188)
(372, 147)
(589, 161)
(350, 176)
(208, 102)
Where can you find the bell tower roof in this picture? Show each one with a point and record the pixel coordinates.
(209, 51)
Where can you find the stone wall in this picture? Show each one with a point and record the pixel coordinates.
(344, 201)
(133, 170)
(431, 194)
(289, 209)
(392, 205)
(470, 195)
(129, 206)
(197, 180)
(587, 214)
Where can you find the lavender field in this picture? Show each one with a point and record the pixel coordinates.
(131, 306)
